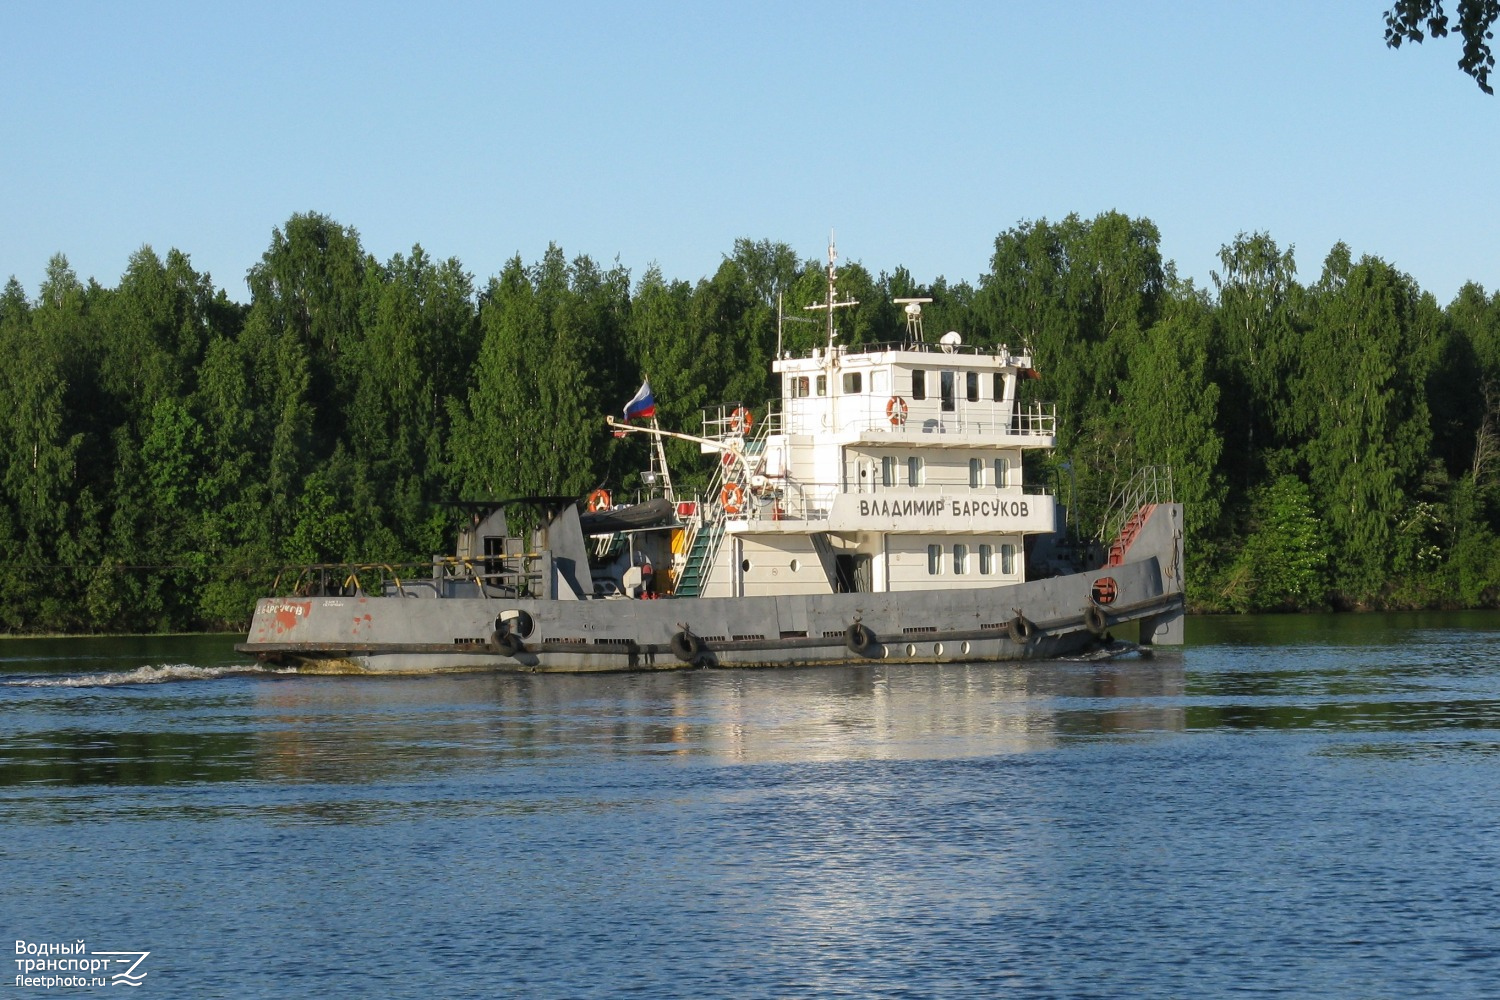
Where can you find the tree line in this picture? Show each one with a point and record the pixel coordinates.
(168, 449)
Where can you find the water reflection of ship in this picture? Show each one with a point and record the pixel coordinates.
(332, 730)
(957, 710)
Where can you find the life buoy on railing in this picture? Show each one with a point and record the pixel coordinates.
(1094, 620)
(859, 639)
(732, 498)
(896, 410)
(741, 420)
(598, 501)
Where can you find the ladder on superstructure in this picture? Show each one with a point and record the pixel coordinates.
(707, 533)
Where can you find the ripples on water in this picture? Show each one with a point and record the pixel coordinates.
(1289, 806)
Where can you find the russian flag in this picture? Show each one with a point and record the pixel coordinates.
(643, 404)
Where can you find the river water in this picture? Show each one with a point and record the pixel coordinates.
(1301, 806)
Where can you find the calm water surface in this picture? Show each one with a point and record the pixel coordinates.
(1289, 806)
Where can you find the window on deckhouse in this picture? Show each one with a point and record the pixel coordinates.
(950, 391)
(918, 384)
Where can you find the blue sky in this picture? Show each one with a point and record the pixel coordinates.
(657, 132)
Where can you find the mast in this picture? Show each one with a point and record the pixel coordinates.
(832, 303)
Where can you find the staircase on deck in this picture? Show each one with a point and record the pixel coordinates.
(1131, 528)
(701, 552)
(703, 540)
(1129, 513)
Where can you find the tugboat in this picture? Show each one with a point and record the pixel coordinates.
(876, 511)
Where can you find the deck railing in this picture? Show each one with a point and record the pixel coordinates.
(1151, 484)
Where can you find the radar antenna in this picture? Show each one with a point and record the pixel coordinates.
(913, 312)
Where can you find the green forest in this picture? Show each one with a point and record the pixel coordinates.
(168, 450)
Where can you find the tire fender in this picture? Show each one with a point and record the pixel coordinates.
(686, 646)
(859, 639)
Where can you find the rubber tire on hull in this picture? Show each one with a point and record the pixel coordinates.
(1022, 630)
(686, 646)
(859, 639)
(510, 644)
(1094, 620)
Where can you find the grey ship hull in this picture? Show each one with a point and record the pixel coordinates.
(378, 634)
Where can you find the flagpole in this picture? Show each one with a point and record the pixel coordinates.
(661, 460)
(658, 456)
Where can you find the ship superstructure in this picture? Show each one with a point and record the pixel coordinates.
(892, 468)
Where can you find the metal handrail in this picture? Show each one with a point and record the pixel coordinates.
(1150, 484)
(1012, 421)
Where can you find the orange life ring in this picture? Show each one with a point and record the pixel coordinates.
(896, 410)
(741, 420)
(598, 500)
(732, 498)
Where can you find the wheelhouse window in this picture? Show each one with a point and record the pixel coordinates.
(999, 387)
(950, 390)
(800, 386)
(918, 384)
(971, 386)
(915, 474)
(853, 382)
(934, 560)
(822, 385)
(960, 559)
(976, 473)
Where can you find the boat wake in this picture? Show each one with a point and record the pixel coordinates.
(167, 673)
